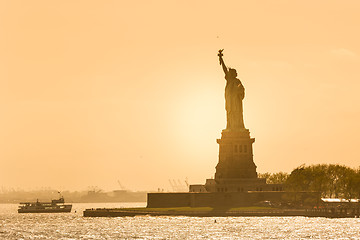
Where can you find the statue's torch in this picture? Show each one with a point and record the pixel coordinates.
(220, 55)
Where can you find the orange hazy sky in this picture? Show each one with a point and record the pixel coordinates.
(92, 92)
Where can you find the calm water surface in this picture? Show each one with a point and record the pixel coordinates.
(74, 226)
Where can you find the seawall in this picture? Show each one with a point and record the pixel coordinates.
(221, 199)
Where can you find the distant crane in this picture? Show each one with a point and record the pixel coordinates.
(172, 186)
(178, 186)
(186, 182)
(175, 185)
(120, 185)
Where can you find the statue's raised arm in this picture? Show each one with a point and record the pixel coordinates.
(222, 63)
(234, 94)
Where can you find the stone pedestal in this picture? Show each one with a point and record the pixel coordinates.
(235, 156)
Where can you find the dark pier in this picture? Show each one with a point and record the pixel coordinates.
(333, 212)
(316, 212)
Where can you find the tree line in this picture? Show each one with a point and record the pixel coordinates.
(330, 180)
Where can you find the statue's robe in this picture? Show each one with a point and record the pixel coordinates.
(234, 94)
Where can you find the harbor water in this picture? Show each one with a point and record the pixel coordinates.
(74, 226)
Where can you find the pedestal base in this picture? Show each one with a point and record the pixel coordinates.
(235, 156)
(236, 185)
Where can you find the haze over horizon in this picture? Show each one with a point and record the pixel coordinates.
(92, 92)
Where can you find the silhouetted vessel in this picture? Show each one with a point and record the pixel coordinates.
(55, 206)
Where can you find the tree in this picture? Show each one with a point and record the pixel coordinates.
(330, 180)
(274, 178)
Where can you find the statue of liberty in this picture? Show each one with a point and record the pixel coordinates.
(234, 94)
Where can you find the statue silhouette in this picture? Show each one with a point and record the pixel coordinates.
(234, 94)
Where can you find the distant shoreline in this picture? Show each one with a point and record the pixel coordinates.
(17, 202)
(75, 197)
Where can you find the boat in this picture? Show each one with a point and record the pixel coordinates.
(55, 206)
